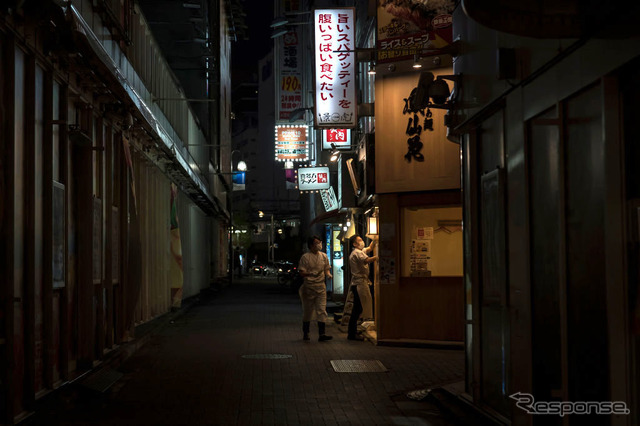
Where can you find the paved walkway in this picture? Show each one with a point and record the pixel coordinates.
(195, 371)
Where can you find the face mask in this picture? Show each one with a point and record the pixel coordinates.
(361, 245)
(319, 246)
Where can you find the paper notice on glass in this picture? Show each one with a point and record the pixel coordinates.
(421, 247)
(419, 257)
(428, 235)
(425, 233)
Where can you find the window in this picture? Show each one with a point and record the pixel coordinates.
(431, 241)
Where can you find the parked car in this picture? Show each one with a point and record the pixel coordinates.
(258, 269)
(270, 268)
(289, 276)
(284, 269)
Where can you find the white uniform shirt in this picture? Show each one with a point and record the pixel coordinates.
(359, 268)
(314, 264)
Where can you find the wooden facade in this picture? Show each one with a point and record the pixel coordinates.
(413, 309)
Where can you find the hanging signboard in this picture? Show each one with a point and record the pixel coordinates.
(292, 143)
(313, 178)
(329, 199)
(341, 138)
(335, 68)
(289, 74)
(238, 179)
(407, 29)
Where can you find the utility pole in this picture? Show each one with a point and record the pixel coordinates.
(272, 241)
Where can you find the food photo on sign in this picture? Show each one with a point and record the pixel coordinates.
(405, 27)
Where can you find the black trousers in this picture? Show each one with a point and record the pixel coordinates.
(352, 329)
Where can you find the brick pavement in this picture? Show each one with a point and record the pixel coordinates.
(192, 372)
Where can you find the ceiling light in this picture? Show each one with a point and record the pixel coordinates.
(335, 154)
(242, 166)
(191, 5)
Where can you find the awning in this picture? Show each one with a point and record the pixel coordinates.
(560, 19)
(335, 216)
(180, 172)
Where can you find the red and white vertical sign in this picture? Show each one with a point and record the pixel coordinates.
(335, 68)
(289, 75)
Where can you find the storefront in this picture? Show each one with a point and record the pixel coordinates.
(418, 285)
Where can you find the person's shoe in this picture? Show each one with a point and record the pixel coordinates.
(305, 330)
(324, 338)
(358, 338)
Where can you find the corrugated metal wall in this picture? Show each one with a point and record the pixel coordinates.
(153, 198)
(196, 246)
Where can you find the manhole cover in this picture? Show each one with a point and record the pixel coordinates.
(267, 356)
(357, 366)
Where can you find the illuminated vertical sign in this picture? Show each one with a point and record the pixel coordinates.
(292, 143)
(289, 85)
(335, 68)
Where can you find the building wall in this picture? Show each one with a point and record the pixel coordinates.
(544, 237)
(84, 207)
(441, 166)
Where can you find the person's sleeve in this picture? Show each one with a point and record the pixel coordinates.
(302, 265)
(327, 263)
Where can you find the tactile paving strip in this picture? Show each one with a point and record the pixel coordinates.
(358, 366)
(267, 356)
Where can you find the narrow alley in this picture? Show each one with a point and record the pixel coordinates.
(213, 365)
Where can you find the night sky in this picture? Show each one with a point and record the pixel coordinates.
(247, 53)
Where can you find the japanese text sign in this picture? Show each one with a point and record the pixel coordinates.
(329, 199)
(341, 138)
(313, 178)
(289, 74)
(335, 68)
(407, 28)
(292, 143)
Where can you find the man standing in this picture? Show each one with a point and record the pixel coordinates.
(314, 267)
(359, 265)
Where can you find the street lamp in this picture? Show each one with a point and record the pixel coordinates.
(242, 166)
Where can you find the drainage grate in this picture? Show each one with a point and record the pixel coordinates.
(267, 356)
(102, 380)
(357, 366)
